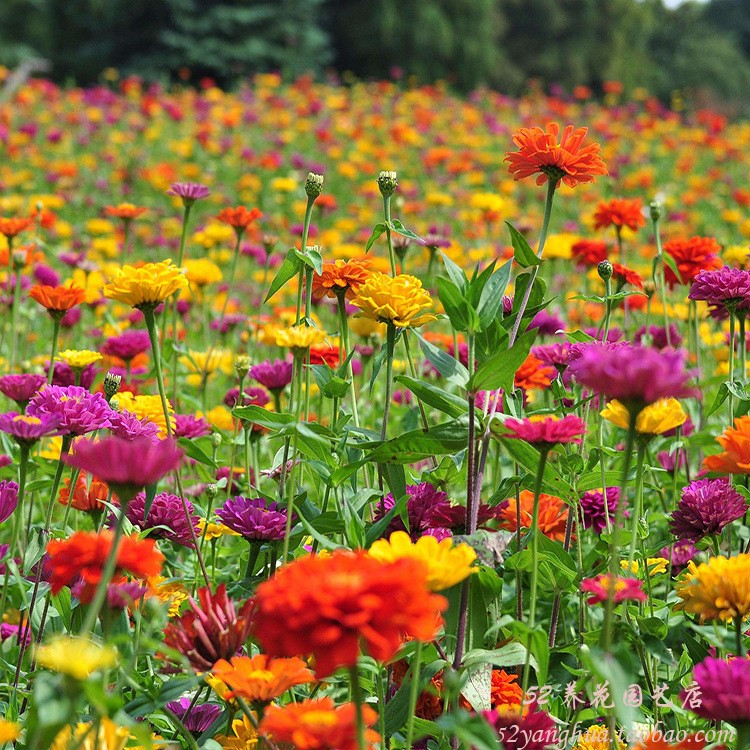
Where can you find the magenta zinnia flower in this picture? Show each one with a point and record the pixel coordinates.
(635, 375)
(705, 508)
(679, 554)
(724, 690)
(658, 335)
(166, 517)
(553, 354)
(200, 717)
(624, 589)
(188, 191)
(534, 730)
(27, 430)
(127, 466)
(190, 426)
(254, 518)
(77, 410)
(547, 431)
(128, 344)
(8, 499)
(21, 388)
(592, 507)
(424, 501)
(726, 287)
(127, 426)
(274, 375)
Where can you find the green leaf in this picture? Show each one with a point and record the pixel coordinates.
(721, 396)
(437, 398)
(522, 252)
(579, 337)
(449, 367)
(378, 528)
(462, 316)
(536, 642)
(670, 261)
(377, 230)
(194, 451)
(263, 417)
(491, 299)
(399, 228)
(455, 272)
(499, 370)
(291, 266)
(528, 457)
(470, 729)
(449, 437)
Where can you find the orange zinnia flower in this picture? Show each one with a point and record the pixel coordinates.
(239, 218)
(619, 212)
(57, 299)
(533, 373)
(332, 605)
(656, 741)
(12, 227)
(83, 555)
(540, 153)
(125, 211)
(735, 459)
(504, 692)
(260, 679)
(553, 514)
(691, 256)
(86, 497)
(340, 277)
(318, 725)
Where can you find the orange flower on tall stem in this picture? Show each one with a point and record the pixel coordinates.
(619, 213)
(57, 299)
(735, 458)
(240, 218)
(12, 227)
(318, 725)
(125, 211)
(340, 277)
(260, 679)
(568, 160)
(553, 514)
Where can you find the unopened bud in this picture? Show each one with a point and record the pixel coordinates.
(387, 182)
(111, 385)
(655, 210)
(242, 366)
(649, 287)
(313, 185)
(215, 439)
(604, 269)
(212, 490)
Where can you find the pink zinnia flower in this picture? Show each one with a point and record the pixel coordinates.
(21, 388)
(625, 589)
(724, 690)
(547, 430)
(77, 410)
(188, 191)
(127, 466)
(27, 430)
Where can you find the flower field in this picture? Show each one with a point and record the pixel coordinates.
(344, 417)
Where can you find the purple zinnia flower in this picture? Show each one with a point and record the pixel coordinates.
(726, 287)
(658, 335)
(45, 275)
(553, 354)
(547, 324)
(680, 554)
(228, 322)
(127, 426)
(119, 595)
(592, 507)
(614, 334)
(188, 191)
(27, 430)
(705, 508)
(8, 499)
(274, 375)
(534, 730)
(423, 500)
(724, 690)
(64, 375)
(200, 717)
(635, 375)
(254, 518)
(77, 410)
(166, 517)
(21, 388)
(190, 426)
(252, 395)
(127, 345)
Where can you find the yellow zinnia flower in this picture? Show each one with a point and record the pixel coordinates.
(215, 530)
(200, 271)
(146, 286)
(172, 594)
(447, 564)
(145, 408)
(657, 418)
(299, 338)
(245, 736)
(596, 738)
(110, 736)
(718, 589)
(77, 359)
(75, 656)
(655, 565)
(9, 731)
(399, 300)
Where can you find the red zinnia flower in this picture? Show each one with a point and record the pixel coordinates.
(590, 252)
(624, 589)
(533, 373)
(83, 556)
(547, 431)
(540, 153)
(626, 275)
(86, 497)
(691, 256)
(618, 213)
(329, 606)
(239, 218)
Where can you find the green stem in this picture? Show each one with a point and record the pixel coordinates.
(303, 250)
(14, 316)
(388, 237)
(357, 698)
(551, 185)
(56, 319)
(180, 258)
(638, 511)
(731, 361)
(413, 695)
(291, 487)
(345, 352)
(743, 736)
(390, 344)
(738, 635)
(659, 276)
(743, 346)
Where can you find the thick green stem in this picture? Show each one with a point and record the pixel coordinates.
(303, 250)
(56, 319)
(388, 237)
(345, 352)
(659, 276)
(738, 635)
(638, 511)
(357, 698)
(413, 695)
(291, 488)
(17, 267)
(390, 343)
(731, 361)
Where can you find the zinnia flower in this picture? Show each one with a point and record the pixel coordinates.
(553, 514)
(8, 499)
(21, 388)
(126, 465)
(260, 679)
(399, 300)
(726, 287)
(77, 359)
(625, 589)
(75, 656)
(57, 299)
(691, 257)
(618, 213)
(188, 191)
(146, 286)
(589, 252)
(76, 410)
(125, 211)
(531, 730)
(547, 431)
(735, 458)
(128, 345)
(657, 741)
(84, 554)
(724, 690)
(11, 227)
(27, 430)
(318, 725)
(340, 277)
(592, 507)
(447, 563)
(705, 508)
(239, 218)
(299, 338)
(534, 374)
(423, 501)
(166, 517)
(662, 416)
(540, 153)
(331, 605)
(212, 629)
(200, 717)
(718, 589)
(86, 496)
(255, 519)
(274, 375)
